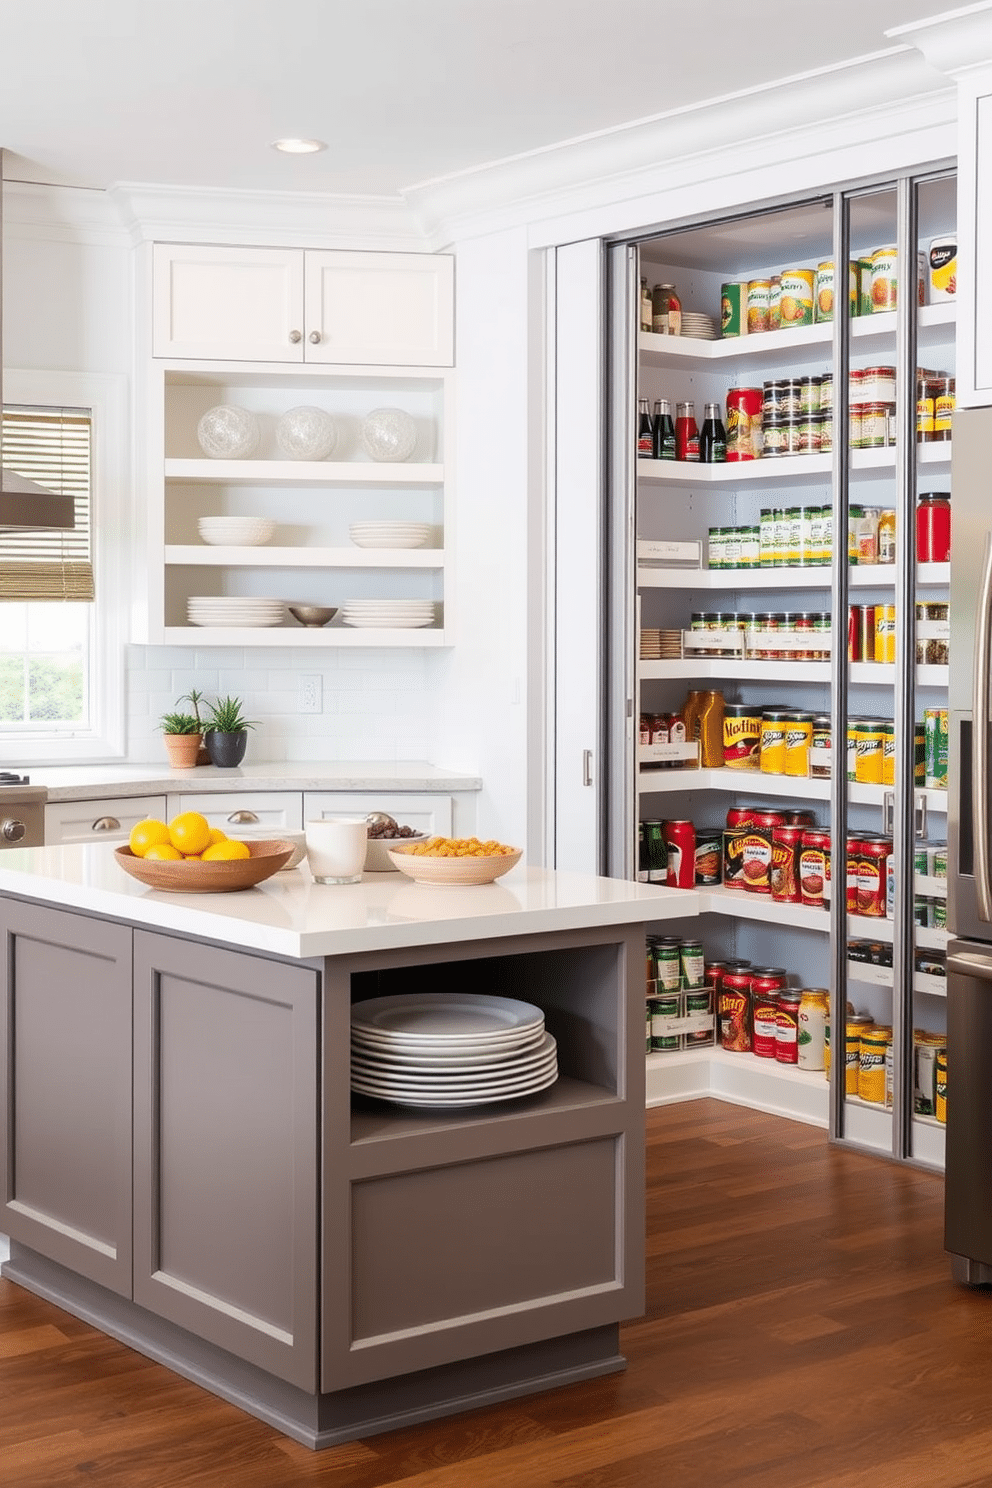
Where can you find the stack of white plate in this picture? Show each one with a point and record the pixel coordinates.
(397, 614)
(389, 534)
(214, 609)
(239, 532)
(450, 1049)
(700, 327)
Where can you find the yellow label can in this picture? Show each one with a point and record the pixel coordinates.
(875, 1043)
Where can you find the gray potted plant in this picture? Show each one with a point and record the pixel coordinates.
(183, 735)
(227, 733)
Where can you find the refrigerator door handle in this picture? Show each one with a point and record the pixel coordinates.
(971, 966)
(980, 740)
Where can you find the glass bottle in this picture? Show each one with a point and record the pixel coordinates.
(644, 430)
(647, 321)
(686, 432)
(663, 432)
(713, 436)
(666, 311)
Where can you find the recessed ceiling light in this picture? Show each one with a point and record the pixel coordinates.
(298, 146)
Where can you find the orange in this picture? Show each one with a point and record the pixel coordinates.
(146, 834)
(226, 852)
(189, 832)
(163, 852)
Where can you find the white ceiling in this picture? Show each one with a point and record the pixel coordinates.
(192, 92)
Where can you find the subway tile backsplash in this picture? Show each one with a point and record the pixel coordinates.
(376, 705)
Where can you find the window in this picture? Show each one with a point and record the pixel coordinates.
(62, 608)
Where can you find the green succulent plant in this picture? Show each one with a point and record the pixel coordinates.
(225, 716)
(179, 723)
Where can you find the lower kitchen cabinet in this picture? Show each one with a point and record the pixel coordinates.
(422, 810)
(65, 1024)
(244, 808)
(107, 820)
(225, 1146)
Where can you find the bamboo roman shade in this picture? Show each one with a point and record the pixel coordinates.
(50, 446)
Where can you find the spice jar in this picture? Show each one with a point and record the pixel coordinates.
(933, 528)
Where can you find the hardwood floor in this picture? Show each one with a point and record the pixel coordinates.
(802, 1330)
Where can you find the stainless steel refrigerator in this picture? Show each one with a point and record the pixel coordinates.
(968, 1193)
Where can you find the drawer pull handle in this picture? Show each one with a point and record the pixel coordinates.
(242, 818)
(106, 824)
(314, 337)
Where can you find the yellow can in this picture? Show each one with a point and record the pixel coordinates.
(874, 1048)
(797, 297)
(868, 751)
(771, 750)
(885, 633)
(852, 1060)
(940, 1104)
(798, 736)
(888, 754)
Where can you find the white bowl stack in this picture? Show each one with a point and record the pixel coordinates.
(450, 1049)
(236, 532)
(232, 610)
(389, 534)
(395, 614)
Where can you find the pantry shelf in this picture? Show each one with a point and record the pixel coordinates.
(743, 905)
(303, 472)
(197, 555)
(768, 346)
(739, 580)
(783, 469)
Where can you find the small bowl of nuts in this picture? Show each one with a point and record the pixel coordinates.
(384, 833)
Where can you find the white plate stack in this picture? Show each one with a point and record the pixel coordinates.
(389, 534)
(450, 1049)
(699, 327)
(206, 609)
(397, 614)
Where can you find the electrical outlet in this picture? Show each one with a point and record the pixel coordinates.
(310, 697)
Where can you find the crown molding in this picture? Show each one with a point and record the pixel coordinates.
(956, 42)
(153, 213)
(36, 211)
(715, 139)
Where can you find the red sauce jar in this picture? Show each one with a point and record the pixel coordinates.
(680, 839)
(933, 528)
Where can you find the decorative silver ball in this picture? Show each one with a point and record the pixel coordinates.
(306, 434)
(389, 434)
(228, 433)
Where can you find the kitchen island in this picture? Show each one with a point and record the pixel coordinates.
(185, 1165)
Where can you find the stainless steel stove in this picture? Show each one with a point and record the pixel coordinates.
(22, 811)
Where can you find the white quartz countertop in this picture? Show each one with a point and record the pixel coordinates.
(90, 782)
(290, 915)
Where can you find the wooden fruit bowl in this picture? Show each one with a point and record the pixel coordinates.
(183, 877)
(423, 868)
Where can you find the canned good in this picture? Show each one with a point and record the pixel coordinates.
(709, 856)
(756, 851)
(868, 751)
(878, 385)
(933, 528)
(668, 963)
(935, 723)
(772, 741)
(798, 739)
(820, 751)
(888, 754)
(940, 1099)
(733, 857)
(691, 960)
(680, 839)
(811, 1031)
(787, 1027)
(852, 1062)
(823, 291)
(740, 816)
(866, 863)
(883, 279)
(926, 1047)
(783, 872)
(887, 536)
(764, 1016)
(741, 736)
(863, 269)
(758, 296)
(734, 1012)
(924, 411)
(797, 297)
(942, 268)
(664, 1011)
(875, 1043)
(814, 868)
(733, 310)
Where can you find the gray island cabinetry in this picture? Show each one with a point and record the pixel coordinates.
(185, 1165)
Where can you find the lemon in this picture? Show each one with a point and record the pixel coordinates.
(146, 834)
(216, 835)
(189, 832)
(226, 852)
(163, 852)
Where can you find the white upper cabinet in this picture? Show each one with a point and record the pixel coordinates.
(974, 382)
(301, 305)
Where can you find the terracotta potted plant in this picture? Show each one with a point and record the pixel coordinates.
(226, 733)
(183, 736)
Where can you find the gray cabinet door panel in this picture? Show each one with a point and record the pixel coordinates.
(226, 1150)
(65, 1127)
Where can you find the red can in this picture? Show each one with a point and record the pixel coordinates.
(764, 1012)
(713, 977)
(783, 873)
(740, 816)
(734, 1012)
(866, 886)
(814, 868)
(861, 633)
(787, 1028)
(744, 438)
(680, 839)
(933, 528)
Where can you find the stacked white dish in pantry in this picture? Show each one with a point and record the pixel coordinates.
(389, 534)
(224, 609)
(396, 614)
(450, 1049)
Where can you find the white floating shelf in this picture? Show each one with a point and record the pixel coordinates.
(758, 671)
(202, 555)
(739, 782)
(742, 905)
(303, 473)
(301, 635)
(792, 469)
(769, 345)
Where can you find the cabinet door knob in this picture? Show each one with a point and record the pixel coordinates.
(241, 818)
(295, 336)
(314, 337)
(106, 824)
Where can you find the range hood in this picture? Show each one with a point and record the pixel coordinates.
(24, 505)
